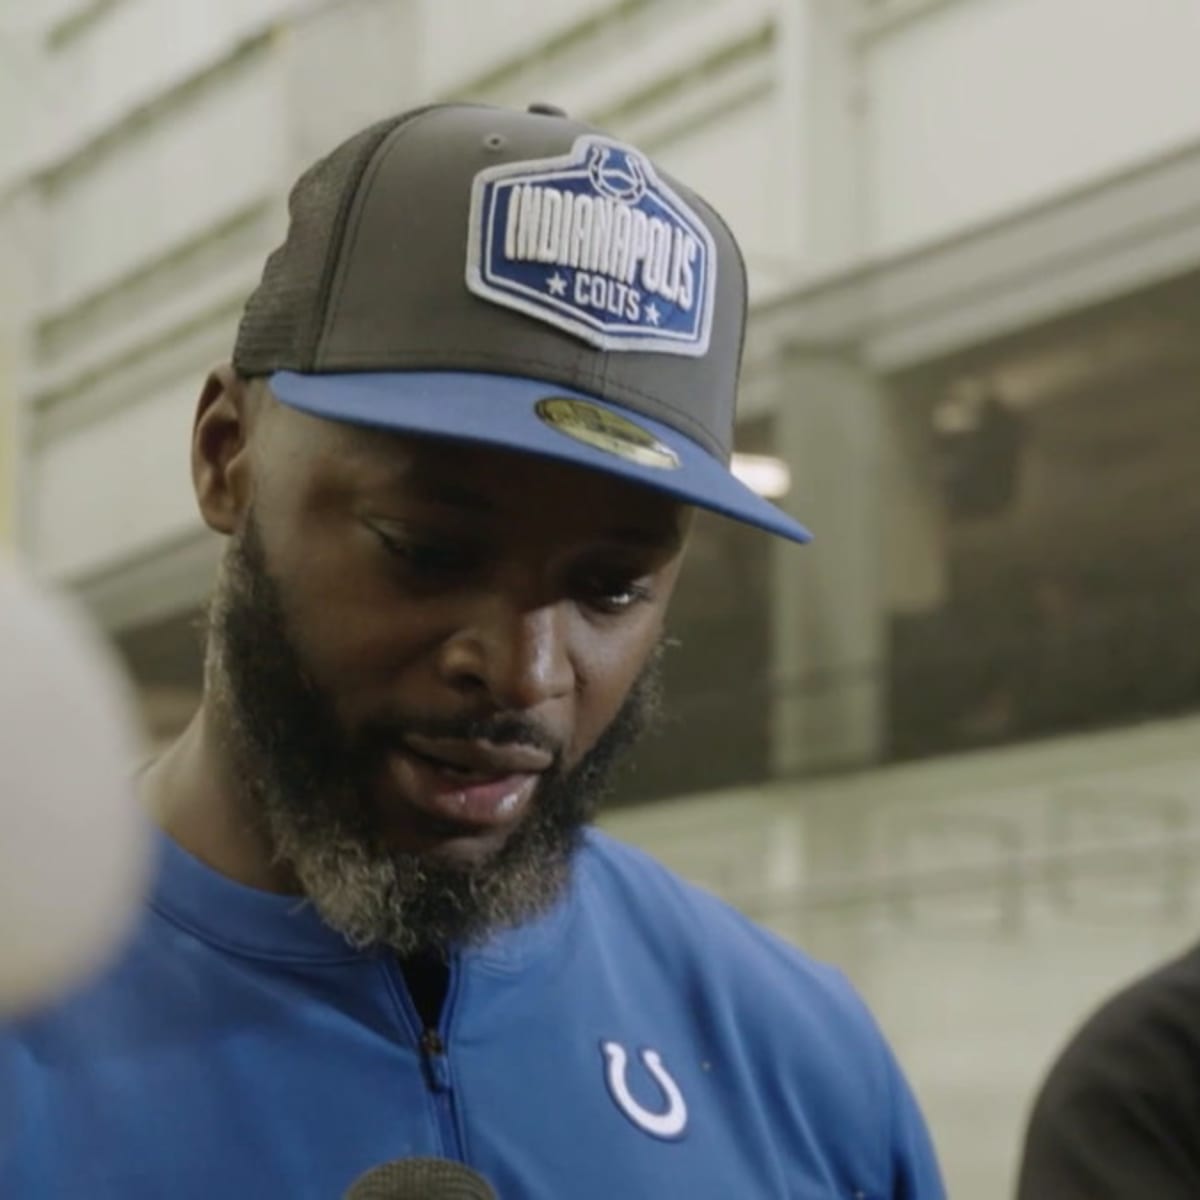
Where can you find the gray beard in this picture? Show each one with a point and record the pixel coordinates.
(304, 784)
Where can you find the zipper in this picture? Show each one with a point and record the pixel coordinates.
(433, 1059)
(432, 1042)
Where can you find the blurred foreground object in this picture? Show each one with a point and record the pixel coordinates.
(1118, 1115)
(421, 1179)
(73, 842)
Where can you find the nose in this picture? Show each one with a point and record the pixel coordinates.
(515, 654)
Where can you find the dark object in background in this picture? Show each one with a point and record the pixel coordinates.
(978, 440)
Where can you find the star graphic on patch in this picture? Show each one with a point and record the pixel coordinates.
(652, 313)
(557, 284)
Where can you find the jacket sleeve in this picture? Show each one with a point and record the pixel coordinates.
(915, 1173)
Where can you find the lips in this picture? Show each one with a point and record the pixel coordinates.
(482, 758)
(475, 787)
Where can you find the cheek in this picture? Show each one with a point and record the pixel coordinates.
(611, 660)
(359, 634)
(606, 670)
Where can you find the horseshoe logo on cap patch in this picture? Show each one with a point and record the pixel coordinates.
(668, 1122)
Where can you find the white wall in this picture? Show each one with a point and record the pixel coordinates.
(982, 904)
(23, 88)
(146, 195)
(717, 159)
(462, 40)
(981, 107)
(108, 489)
(139, 50)
(157, 187)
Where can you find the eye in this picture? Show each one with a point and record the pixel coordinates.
(426, 554)
(613, 592)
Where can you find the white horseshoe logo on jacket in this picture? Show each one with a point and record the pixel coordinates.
(669, 1123)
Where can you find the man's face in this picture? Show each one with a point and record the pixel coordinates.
(424, 659)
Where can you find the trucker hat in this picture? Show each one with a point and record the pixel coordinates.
(518, 279)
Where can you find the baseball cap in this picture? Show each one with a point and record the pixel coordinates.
(518, 279)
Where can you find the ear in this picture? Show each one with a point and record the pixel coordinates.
(221, 473)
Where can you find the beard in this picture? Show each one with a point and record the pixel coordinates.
(305, 781)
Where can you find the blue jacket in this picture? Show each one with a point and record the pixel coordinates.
(643, 1039)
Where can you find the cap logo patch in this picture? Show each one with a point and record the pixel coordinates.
(605, 430)
(594, 243)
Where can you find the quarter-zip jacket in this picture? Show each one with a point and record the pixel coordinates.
(643, 1039)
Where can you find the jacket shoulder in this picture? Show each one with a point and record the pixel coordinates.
(799, 1027)
(779, 995)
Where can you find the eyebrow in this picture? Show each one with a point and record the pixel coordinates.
(447, 492)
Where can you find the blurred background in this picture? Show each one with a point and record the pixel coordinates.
(954, 746)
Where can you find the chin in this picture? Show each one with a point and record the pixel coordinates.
(451, 848)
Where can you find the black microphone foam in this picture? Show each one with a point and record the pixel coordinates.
(420, 1179)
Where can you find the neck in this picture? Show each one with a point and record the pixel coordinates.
(196, 792)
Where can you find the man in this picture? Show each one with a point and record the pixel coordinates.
(1118, 1117)
(471, 406)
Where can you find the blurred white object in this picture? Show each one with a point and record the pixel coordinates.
(770, 477)
(74, 845)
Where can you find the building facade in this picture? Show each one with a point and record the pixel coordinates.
(973, 235)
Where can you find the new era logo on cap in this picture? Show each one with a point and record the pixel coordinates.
(596, 244)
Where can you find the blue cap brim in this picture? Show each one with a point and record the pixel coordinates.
(499, 410)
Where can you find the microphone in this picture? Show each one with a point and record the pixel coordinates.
(420, 1179)
(74, 846)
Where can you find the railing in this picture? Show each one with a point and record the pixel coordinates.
(1098, 831)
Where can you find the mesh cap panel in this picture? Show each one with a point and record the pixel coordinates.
(282, 320)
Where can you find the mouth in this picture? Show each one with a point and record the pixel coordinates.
(479, 757)
(466, 788)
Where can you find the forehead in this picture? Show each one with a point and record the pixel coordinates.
(470, 479)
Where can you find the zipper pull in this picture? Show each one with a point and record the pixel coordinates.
(433, 1054)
